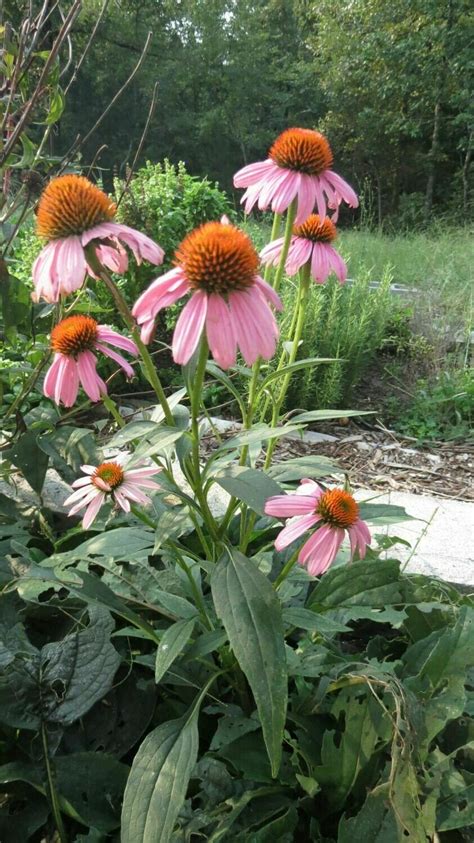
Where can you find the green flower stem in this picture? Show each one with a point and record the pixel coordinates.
(286, 569)
(122, 307)
(290, 218)
(53, 795)
(273, 236)
(302, 302)
(195, 396)
(196, 593)
(112, 408)
(142, 516)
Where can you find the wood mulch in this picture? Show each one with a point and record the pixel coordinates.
(381, 459)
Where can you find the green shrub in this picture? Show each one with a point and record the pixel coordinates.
(166, 202)
(441, 409)
(345, 322)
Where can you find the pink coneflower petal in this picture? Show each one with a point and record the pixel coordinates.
(122, 500)
(132, 492)
(220, 332)
(321, 549)
(189, 327)
(163, 292)
(254, 325)
(108, 335)
(81, 481)
(341, 187)
(92, 510)
(272, 251)
(269, 293)
(124, 364)
(295, 528)
(92, 384)
(143, 247)
(113, 257)
(252, 173)
(299, 253)
(287, 506)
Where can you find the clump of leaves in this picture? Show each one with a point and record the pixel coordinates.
(441, 407)
(347, 715)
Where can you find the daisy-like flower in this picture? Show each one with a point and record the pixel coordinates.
(333, 512)
(218, 265)
(73, 341)
(71, 213)
(110, 481)
(298, 165)
(311, 242)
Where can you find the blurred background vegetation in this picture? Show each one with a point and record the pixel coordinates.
(390, 85)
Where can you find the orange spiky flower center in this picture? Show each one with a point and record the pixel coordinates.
(316, 229)
(338, 508)
(73, 335)
(303, 150)
(218, 258)
(109, 472)
(71, 205)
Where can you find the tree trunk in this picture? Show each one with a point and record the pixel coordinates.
(432, 161)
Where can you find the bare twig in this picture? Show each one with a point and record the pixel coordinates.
(87, 47)
(151, 111)
(111, 104)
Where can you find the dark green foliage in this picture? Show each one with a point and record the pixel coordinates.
(378, 731)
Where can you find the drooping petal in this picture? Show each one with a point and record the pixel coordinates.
(70, 383)
(92, 510)
(49, 385)
(44, 280)
(306, 198)
(295, 528)
(299, 253)
(220, 332)
(269, 293)
(132, 491)
(338, 264)
(286, 506)
(161, 293)
(107, 335)
(254, 324)
(189, 327)
(320, 550)
(124, 364)
(70, 264)
(122, 501)
(342, 187)
(320, 267)
(143, 247)
(91, 383)
(272, 251)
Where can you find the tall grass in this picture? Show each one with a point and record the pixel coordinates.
(345, 322)
(351, 322)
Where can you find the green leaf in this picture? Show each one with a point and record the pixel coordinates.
(299, 467)
(250, 611)
(435, 670)
(64, 680)
(258, 433)
(90, 786)
(375, 822)
(30, 459)
(22, 813)
(231, 727)
(312, 621)
(250, 486)
(172, 643)
(309, 362)
(322, 415)
(69, 448)
(383, 513)
(455, 808)
(158, 781)
(226, 381)
(120, 543)
(345, 753)
(372, 583)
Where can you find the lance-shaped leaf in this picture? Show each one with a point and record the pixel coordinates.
(172, 643)
(247, 604)
(158, 781)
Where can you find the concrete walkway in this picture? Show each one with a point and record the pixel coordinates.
(441, 535)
